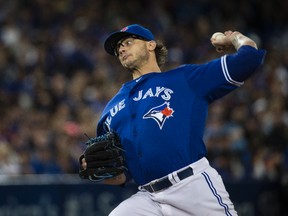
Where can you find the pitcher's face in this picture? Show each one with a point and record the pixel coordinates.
(132, 53)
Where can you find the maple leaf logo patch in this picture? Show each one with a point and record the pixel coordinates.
(160, 113)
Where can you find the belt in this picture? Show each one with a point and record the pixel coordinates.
(164, 183)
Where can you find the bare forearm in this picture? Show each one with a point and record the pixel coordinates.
(238, 40)
(229, 41)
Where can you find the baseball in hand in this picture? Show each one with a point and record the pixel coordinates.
(217, 36)
(217, 42)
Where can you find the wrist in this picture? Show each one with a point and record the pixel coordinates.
(117, 180)
(238, 40)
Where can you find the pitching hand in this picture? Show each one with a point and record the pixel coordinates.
(222, 42)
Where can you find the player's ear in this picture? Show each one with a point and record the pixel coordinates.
(151, 45)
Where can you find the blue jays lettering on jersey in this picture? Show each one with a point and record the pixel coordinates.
(152, 114)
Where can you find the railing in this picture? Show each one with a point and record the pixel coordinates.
(68, 195)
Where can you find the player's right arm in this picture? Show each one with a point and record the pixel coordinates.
(117, 180)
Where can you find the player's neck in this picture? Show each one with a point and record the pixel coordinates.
(146, 69)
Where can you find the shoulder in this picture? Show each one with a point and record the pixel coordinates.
(183, 68)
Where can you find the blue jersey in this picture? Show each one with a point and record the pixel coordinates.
(160, 117)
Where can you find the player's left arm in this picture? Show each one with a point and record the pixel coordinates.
(229, 40)
(246, 58)
(220, 76)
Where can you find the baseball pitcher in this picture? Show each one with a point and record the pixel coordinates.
(152, 129)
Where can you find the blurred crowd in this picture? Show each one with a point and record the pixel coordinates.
(55, 79)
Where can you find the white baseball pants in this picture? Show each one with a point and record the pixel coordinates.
(202, 194)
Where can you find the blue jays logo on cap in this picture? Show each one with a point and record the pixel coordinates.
(124, 29)
(160, 113)
(131, 30)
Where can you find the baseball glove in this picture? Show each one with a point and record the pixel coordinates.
(104, 158)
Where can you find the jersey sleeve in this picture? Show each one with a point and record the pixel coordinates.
(217, 78)
(244, 63)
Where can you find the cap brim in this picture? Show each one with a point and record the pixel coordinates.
(112, 40)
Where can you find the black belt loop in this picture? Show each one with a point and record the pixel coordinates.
(165, 182)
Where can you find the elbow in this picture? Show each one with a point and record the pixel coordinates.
(251, 56)
(245, 62)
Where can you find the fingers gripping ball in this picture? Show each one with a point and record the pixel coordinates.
(104, 158)
(217, 41)
(217, 36)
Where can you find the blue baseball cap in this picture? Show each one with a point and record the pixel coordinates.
(132, 30)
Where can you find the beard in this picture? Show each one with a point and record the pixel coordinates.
(135, 62)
